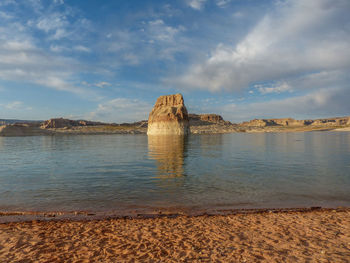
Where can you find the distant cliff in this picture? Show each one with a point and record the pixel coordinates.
(66, 123)
(198, 124)
(13, 121)
(205, 119)
(328, 122)
(22, 130)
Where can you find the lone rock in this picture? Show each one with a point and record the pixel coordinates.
(169, 116)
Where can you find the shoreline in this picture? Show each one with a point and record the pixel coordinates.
(28, 216)
(21, 130)
(315, 235)
(250, 130)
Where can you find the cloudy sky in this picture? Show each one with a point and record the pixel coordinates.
(110, 60)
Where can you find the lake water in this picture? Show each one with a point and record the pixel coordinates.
(116, 172)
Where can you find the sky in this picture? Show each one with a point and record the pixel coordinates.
(110, 60)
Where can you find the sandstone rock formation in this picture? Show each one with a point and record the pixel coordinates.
(289, 122)
(332, 121)
(22, 130)
(259, 123)
(169, 116)
(329, 122)
(57, 123)
(66, 123)
(275, 122)
(206, 119)
(211, 118)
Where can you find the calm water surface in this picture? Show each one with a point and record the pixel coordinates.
(116, 172)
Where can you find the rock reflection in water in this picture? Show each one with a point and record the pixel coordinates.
(169, 152)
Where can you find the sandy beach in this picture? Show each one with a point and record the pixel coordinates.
(313, 236)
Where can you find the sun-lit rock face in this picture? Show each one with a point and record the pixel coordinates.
(169, 116)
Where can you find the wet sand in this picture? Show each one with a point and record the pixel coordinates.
(311, 236)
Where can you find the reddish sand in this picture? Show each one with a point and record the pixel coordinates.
(316, 236)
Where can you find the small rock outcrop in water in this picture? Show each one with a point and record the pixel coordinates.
(169, 116)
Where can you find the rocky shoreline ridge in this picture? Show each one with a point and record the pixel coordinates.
(198, 124)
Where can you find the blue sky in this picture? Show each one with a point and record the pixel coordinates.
(110, 60)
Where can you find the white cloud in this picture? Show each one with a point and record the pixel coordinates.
(196, 4)
(315, 104)
(5, 15)
(60, 33)
(23, 59)
(52, 23)
(79, 48)
(160, 31)
(159, 41)
(222, 3)
(82, 49)
(15, 46)
(121, 110)
(7, 2)
(238, 15)
(59, 2)
(59, 21)
(298, 37)
(55, 82)
(131, 58)
(56, 48)
(277, 88)
(14, 105)
(102, 84)
(156, 22)
(36, 5)
(323, 79)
